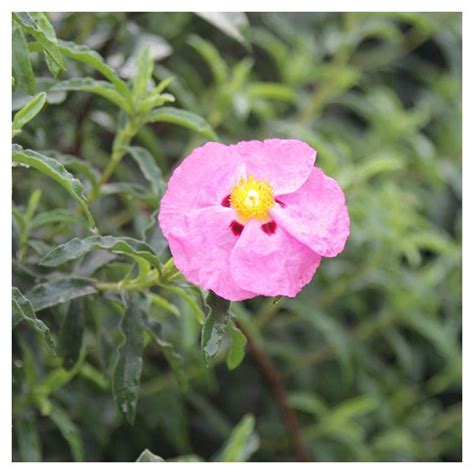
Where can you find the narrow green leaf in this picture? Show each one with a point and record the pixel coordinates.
(237, 349)
(77, 165)
(183, 118)
(148, 456)
(25, 312)
(211, 55)
(178, 88)
(174, 359)
(214, 325)
(72, 331)
(30, 370)
(87, 84)
(163, 84)
(28, 112)
(21, 63)
(271, 90)
(307, 402)
(92, 58)
(143, 75)
(55, 170)
(27, 434)
(164, 304)
(50, 294)
(32, 27)
(127, 371)
(242, 443)
(76, 248)
(153, 101)
(57, 216)
(43, 22)
(149, 168)
(43, 84)
(193, 304)
(69, 431)
(233, 24)
(337, 419)
(57, 379)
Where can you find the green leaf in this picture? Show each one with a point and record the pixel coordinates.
(193, 304)
(307, 402)
(131, 190)
(214, 325)
(143, 74)
(336, 420)
(76, 248)
(127, 371)
(271, 90)
(164, 304)
(87, 84)
(163, 84)
(183, 118)
(211, 55)
(57, 216)
(43, 84)
(21, 63)
(174, 359)
(55, 170)
(50, 294)
(149, 168)
(242, 443)
(57, 379)
(148, 456)
(76, 164)
(25, 312)
(69, 431)
(32, 27)
(92, 58)
(28, 112)
(237, 349)
(178, 88)
(233, 24)
(30, 369)
(43, 22)
(27, 434)
(72, 332)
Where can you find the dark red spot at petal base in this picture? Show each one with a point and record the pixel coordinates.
(282, 204)
(269, 227)
(236, 227)
(226, 201)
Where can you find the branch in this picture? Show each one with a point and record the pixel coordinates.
(277, 387)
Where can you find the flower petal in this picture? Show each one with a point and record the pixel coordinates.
(316, 214)
(271, 264)
(203, 179)
(201, 248)
(285, 164)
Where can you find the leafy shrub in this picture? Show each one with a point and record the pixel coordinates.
(107, 360)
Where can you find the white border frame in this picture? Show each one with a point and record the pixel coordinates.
(467, 9)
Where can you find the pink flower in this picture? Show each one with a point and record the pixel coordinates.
(253, 218)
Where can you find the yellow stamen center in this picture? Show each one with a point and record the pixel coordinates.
(252, 198)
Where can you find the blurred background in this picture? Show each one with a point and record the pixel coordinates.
(370, 350)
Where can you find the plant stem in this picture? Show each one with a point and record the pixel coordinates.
(138, 284)
(277, 387)
(121, 141)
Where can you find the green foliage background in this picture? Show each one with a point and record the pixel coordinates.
(106, 331)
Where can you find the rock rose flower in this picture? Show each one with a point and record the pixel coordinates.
(253, 218)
